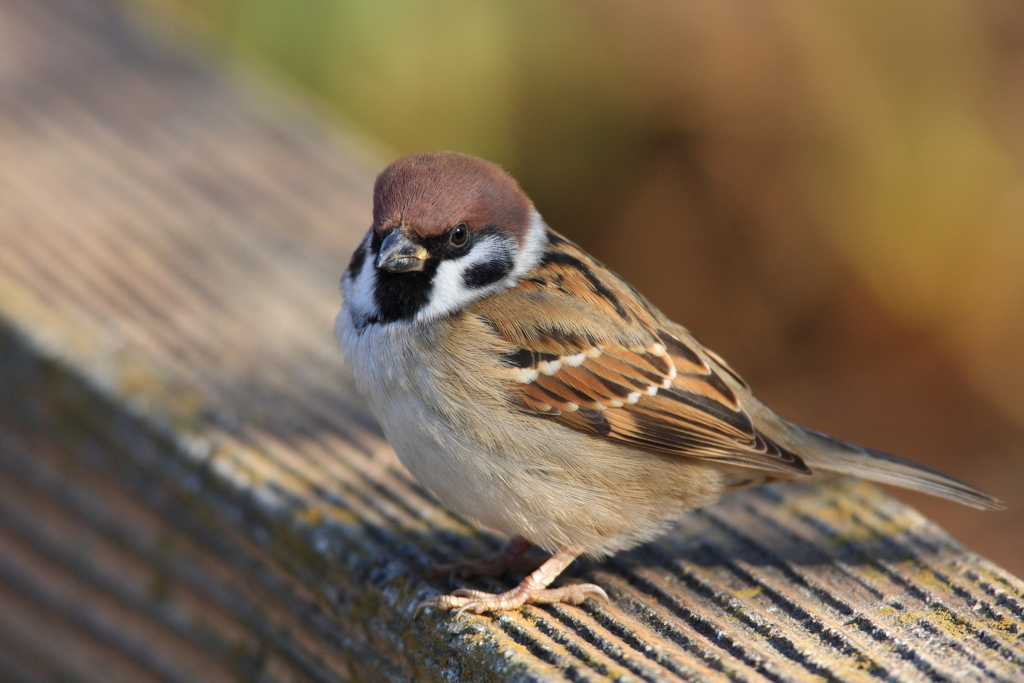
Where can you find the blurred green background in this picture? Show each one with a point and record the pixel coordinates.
(829, 193)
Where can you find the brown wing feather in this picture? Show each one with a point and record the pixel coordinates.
(595, 358)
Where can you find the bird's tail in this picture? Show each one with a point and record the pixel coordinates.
(840, 458)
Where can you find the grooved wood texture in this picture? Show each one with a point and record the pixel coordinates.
(191, 491)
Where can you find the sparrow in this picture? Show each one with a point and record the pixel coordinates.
(536, 393)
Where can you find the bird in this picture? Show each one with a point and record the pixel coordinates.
(536, 393)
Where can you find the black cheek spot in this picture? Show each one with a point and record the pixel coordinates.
(484, 274)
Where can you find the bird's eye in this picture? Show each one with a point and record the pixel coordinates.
(459, 234)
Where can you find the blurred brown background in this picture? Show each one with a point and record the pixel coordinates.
(830, 194)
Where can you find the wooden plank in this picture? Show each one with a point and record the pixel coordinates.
(190, 490)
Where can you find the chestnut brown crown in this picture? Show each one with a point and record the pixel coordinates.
(432, 191)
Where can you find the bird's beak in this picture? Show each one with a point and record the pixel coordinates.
(399, 254)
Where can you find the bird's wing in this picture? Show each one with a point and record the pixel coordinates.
(585, 350)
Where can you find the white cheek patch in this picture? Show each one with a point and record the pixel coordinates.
(358, 289)
(450, 293)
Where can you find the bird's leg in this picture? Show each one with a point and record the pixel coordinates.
(533, 589)
(510, 557)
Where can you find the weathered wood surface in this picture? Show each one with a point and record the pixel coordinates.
(190, 490)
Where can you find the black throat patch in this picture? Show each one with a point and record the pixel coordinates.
(400, 296)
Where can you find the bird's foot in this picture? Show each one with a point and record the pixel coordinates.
(509, 558)
(533, 590)
(478, 602)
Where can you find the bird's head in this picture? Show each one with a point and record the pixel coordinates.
(448, 229)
